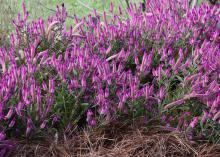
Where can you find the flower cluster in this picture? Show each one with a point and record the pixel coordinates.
(116, 66)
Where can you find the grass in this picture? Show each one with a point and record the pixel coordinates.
(43, 8)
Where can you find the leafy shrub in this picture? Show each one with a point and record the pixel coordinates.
(164, 62)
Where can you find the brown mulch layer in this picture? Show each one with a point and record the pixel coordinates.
(118, 140)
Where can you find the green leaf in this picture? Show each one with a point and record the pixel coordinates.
(85, 104)
(193, 3)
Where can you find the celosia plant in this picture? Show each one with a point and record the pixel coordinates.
(149, 64)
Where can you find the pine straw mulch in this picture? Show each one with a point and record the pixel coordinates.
(118, 140)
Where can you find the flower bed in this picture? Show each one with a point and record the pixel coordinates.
(162, 64)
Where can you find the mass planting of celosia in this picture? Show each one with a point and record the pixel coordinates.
(163, 62)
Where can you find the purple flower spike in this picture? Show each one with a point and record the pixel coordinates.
(30, 126)
(51, 85)
(194, 122)
(2, 136)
